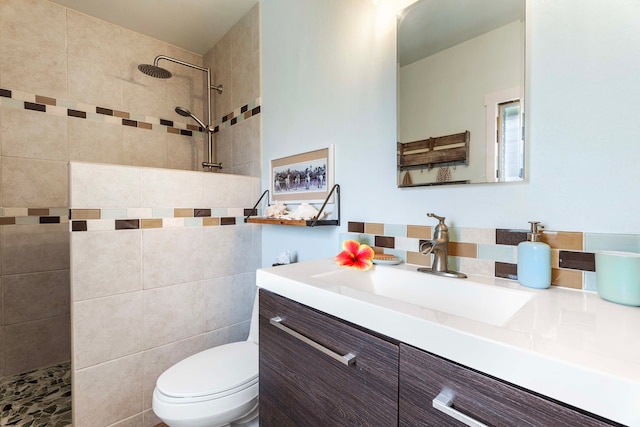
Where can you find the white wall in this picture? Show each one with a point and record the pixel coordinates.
(329, 76)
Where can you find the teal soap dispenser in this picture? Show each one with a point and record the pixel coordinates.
(534, 260)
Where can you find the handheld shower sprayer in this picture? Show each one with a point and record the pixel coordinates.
(186, 113)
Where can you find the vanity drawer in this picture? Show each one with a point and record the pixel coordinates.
(484, 399)
(301, 384)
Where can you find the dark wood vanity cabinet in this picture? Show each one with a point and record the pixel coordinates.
(302, 386)
(389, 384)
(423, 377)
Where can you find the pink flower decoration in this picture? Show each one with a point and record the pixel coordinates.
(355, 255)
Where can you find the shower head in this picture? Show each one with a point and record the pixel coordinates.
(186, 113)
(154, 71)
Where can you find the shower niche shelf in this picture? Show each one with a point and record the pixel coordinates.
(314, 222)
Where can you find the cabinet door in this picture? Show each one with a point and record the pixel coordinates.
(491, 402)
(302, 386)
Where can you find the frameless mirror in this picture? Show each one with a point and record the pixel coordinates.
(461, 92)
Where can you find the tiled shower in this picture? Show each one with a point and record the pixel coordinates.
(70, 91)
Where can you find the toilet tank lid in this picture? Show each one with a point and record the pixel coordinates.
(218, 370)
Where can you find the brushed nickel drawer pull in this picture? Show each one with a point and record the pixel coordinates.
(347, 359)
(444, 402)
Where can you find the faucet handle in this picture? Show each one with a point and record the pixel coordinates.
(439, 218)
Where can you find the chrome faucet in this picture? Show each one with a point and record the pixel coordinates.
(439, 247)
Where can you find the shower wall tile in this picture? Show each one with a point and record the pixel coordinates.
(95, 41)
(106, 263)
(33, 136)
(159, 359)
(246, 141)
(222, 190)
(108, 393)
(35, 296)
(173, 313)
(161, 188)
(183, 152)
(32, 69)
(38, 23)
(143, 148)
(34, 183)
(24, 344)
(246, 80)
(90, 83)
(245, 37)
(104, 186)
(172, 256)
(102, 328)
(228, 300)
(34, 248)
(91, 141)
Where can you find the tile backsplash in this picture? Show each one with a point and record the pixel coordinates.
(493, 252)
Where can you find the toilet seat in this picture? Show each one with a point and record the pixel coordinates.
(211, 374)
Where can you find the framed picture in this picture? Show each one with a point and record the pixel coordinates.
(305, 177)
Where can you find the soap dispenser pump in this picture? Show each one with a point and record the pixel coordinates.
(534, 260)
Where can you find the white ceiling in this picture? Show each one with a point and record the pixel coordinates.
(430, 26)
(195, 25)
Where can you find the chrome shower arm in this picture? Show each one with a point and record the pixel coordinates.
(177, 61)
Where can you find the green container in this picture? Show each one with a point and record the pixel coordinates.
(618, 277)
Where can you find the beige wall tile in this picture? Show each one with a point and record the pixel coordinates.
(97, 142)
(173, 313)
(245, 37)
(224, 146)
(237, 258)
(37, 23)
(141, 147)
(566, 278)
(473, 266)
(228, 191)
(171, 188)
(184, 152)
(35, 296)
(233, 333)
(246, 145)
(24, 344)
(91, 83)
(35, 248)
(419, 259)
(151, 420)
(563, 240)
(419, 231)
(468, 250)
(34, 183)
(106, 263)
(135, 421)
(107, 393)
(485, 236)
(374, 228)
(33, 135)
(104, 186)
(172, 256)
(32, 69)
(107, 328)
(229, 300)
(95, 41)
(159, 359)
(246, 81)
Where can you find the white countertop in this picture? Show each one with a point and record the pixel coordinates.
(569, 345)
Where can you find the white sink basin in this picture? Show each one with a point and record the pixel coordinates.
(459, 297)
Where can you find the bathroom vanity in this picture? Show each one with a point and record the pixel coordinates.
(342, 347)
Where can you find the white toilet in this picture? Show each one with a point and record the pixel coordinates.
(214, 388)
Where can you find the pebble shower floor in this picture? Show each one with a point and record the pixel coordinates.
(39, 398)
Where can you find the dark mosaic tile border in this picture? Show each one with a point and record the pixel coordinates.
(41, 103)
